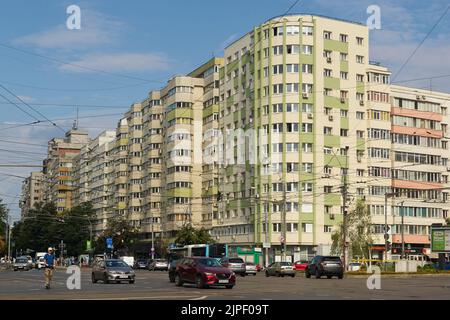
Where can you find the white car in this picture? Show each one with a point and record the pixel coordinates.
(354, 266)
(250, 268)
(40, 263)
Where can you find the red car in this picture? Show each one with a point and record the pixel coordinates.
(203, 272)
(300, 265)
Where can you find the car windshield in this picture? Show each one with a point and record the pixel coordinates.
(209, 262)
(334, 259)
(236, 260)
(285, 263)
(116, 264)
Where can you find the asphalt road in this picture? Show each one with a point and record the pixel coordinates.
(155, 285)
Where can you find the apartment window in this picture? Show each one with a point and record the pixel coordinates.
(359, 96)
(327, 229)
(307, 167)
(292, 147)
(327, 131)
(307, 30)
(277, 108)
(328, 209)
(360, 41)
(327, 150)
(360, 134)
(307, 49)
(327, 73)
(344, 132)
(359, 115)
(292, 68)
(307, 88)
(359, 59)
(278, 69)
(360, 77)
(327, 91)
(307, 187)
(277, 50)
(292, 30)
(292, 227)
(344, 75)
(360, 172)
(307, 147)
(276, 227)
(266, 52)
(307, 127)
(307, 107)
(327, 34)
(343, 38)
(278, 31)
(277, 88)
(277, 127)
(344, 113)
(292, 87)
(307, 227)
(327, 54)
(293, 49)
(307, 68)
(291, 107)
(327, 189)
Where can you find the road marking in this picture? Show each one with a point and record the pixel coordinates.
(199, 298)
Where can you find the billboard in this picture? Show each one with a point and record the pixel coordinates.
(440, 240)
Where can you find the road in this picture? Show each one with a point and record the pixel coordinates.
(155, 285)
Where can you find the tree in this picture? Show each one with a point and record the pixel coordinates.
(189, 235)
(122, 233)
(358, 232)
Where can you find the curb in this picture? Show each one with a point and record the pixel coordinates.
(412, 275)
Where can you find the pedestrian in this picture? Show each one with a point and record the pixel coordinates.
(49, 259)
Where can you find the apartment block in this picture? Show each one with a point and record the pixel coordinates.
(58, 168)
(32, 192)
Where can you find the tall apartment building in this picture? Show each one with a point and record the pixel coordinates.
(58, 168)
(318, 112)
(32, 192)
(92, 176)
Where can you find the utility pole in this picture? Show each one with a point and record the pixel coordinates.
(266, 221)
(403, 231)
(284, 226)
(9, 236)
(386, 235)
(345, 212)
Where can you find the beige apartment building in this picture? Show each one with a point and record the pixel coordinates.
(32, 192)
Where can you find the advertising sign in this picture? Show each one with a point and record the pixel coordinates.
(440, 240)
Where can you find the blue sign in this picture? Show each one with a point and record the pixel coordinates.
(109, 243)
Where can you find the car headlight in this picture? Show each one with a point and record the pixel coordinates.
(209, 274)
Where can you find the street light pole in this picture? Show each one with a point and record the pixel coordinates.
(403, 231)
(284, 222)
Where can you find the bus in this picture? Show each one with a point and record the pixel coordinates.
(215, 250)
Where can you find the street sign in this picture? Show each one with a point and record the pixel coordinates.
(109, 243)
(266, 245)
(440, 240)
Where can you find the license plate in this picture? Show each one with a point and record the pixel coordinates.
(223, 281)
(123, 277)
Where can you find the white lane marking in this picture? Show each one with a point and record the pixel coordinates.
(200, 298)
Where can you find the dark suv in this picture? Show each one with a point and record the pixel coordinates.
(325, 266)
(204, 272)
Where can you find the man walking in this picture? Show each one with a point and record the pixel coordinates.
(49, 259)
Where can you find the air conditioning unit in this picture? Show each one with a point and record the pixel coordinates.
(329, 60)
(330, 118)
(418, 97)
(310, 115)
(331, 216)
(305, 95)
(361, 103)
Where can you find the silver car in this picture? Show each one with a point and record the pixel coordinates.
(112, 270)
(22, 264)
(280, 269)
(250, 268)
(237, 265)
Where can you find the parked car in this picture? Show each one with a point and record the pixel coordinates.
(204, 272)
(173, 267)
(141, 264)
(237, 265)
(300, 265)
(158, 264)
(40, 263)
(112, 270)
(280, 269)
(325, 266)
(250, 268)
(354, 266)
(22, 263)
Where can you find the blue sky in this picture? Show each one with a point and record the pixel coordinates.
(154, 40)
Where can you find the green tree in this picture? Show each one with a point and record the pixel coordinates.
(189, 235)
(358, 232)
(122, 233)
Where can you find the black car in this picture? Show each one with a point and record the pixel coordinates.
(141, 264)
(328, 266)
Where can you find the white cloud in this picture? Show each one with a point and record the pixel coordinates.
(119, 62)
(96, 29)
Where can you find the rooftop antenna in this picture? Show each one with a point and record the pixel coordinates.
(75, 123)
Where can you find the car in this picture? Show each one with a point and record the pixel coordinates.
(203, 272)
(280, 269)
(21, 263)
(258, 267)
(141, 264)
(112, 270)
(328, 266)
(40, 263)
(173, 267)
(158, 264)
(235, 264)
(250, 268)
(300, 265)
(354, 266)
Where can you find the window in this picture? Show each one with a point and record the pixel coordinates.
(360, 41)
(327, 54)
(277, 69)
(277, 50)
(292, 68)
(277, 147)
(327, 131)
(307, 127)
(307, 107)
(327, 229)
(277, 88)
(344, 113)
(307, 147)
(292, 30)
(360, 77)
(344, 132)
(343, 38)
(307, 30)
(292, 147)
(327, 189)
(359, 115)
(359, 59)
(327, 150)
(344, 75)
(277, 127)
(307, 88)
(360, 134)
(291, 107)
(307, 68)
(277, 108)
(307, 167)
(307, 49)
(327, 73)
(327, 34)
(293, 49)
(307, 227)
(344, 56)
(292, 87)
(278, 31)
(307, 186)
